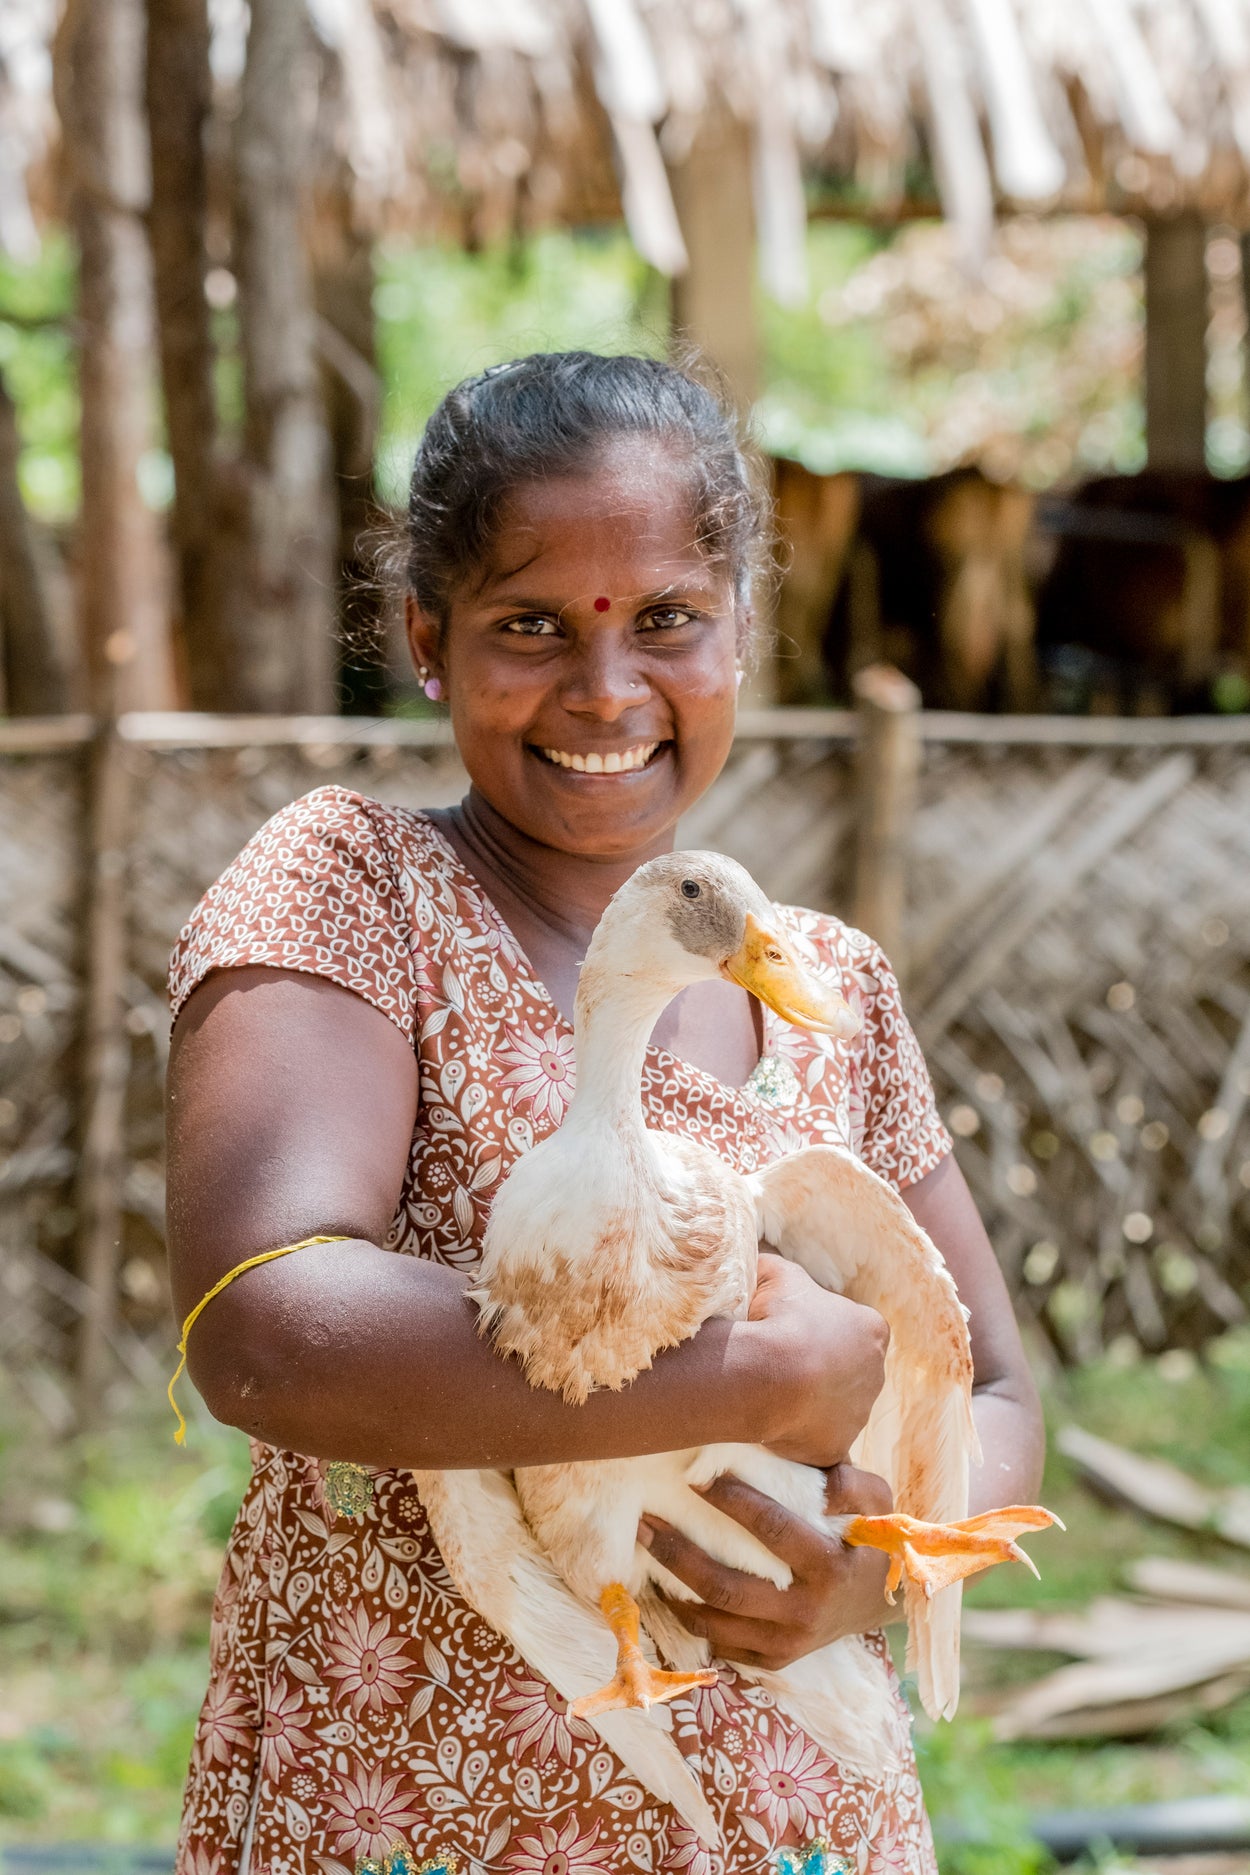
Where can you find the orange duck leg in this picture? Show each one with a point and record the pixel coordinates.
(933, 1555)
(636, 1682)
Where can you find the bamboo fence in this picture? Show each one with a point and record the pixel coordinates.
(1068, 901)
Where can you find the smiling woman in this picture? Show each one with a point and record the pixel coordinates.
(373, 1023)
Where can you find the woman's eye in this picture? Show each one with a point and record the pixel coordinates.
(669, 617)
(531, 626)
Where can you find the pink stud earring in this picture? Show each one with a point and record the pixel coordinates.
(431, 685)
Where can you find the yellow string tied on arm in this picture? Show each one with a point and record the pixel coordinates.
(240, 1269)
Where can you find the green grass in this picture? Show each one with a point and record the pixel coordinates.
(1200, 1422)
(109, 1551)
(110, 1545)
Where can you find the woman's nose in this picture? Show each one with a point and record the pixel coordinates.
(604, 682)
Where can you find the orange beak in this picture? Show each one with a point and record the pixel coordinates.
(765, 964)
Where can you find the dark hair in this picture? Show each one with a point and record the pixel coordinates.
(549, 414)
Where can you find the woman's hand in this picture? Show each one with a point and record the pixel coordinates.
(825, 1363)
(834, 1591)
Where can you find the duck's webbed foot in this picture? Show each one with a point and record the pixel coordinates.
(636, 1682)
(933, 1555)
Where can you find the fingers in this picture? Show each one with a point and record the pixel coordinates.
(791, 1538)
(735, 1637)
(852, 1492)
(728, 1591)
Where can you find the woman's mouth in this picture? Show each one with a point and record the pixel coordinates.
(603, 762)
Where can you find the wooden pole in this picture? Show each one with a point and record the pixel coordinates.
(106, 1061)
(713, 303)
(1176, 343)
(887, 767)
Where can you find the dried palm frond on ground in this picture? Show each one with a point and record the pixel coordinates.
(1180, 1646)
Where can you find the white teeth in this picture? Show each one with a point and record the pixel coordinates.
(615, 762)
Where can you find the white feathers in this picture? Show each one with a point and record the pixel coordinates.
(852, 1232)
(501, 1572)
(610, 1241)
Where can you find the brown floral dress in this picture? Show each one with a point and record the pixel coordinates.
(355, 1699)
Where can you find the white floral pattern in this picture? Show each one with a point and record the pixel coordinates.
(790, 1778)
(354, 1696)
(540, 1071)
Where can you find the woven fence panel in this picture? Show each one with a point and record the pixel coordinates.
(786, 810)
(41, 882)
(1077, 970)
(1080, 979)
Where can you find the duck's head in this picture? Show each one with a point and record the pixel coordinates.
(692, 917)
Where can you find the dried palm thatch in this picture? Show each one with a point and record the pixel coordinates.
(481, 116)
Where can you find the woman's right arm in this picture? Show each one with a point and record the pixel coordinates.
(291, 1110)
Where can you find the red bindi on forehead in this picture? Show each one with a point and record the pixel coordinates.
(602, 605)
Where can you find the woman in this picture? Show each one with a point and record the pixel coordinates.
(373, 1021)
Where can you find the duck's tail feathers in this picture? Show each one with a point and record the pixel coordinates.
(491, 1556)
(932, 1484)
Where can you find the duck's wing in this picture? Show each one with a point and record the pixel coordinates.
(827, 1211)
(492, 1558)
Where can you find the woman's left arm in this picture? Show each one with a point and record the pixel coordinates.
(837, 1591)
(1004, 1399)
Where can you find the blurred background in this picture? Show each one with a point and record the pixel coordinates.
(976, 271)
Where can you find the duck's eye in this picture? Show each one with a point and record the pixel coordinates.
(690, 888)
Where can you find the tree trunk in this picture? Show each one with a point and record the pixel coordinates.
(37, 659)
(353, 402)
(122, 603)
(1176, 343)
(179, 98)
(282, 610)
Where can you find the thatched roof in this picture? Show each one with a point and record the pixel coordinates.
(530, 108)
(479, 116)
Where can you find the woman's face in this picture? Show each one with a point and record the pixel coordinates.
(591, 675)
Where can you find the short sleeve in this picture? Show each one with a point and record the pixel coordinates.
(316, 890)
(904, 1137)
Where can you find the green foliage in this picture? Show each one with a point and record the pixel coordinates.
(898, 361)
(109, 1550)
(37, 360)
(444, 314)
(831, 397)
(979, 1823)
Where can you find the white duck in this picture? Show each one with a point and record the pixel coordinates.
(610, 1241)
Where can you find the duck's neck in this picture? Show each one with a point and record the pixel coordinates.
(612, 1025)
